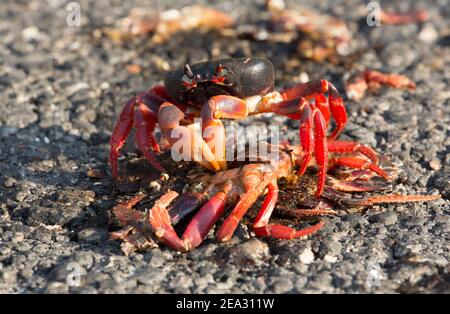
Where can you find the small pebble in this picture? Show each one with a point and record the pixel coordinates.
(32, 33)
(387, 218)
(94, 173)
(91, 235)
(10, 182)
(307, 256)
(435, 164)
(134, 68)
(330, 259)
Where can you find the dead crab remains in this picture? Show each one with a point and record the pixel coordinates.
(235, 89)
(210, 196)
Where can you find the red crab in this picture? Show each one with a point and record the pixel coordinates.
(233, 89)
(241, 187)
(373, 80)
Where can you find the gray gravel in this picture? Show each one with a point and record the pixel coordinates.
(61, 90)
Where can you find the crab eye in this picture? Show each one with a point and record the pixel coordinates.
(220, 70)
(188, 82)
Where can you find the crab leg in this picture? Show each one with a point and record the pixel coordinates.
(284, 232)
(254, 185)
(393, 198)
(312, 122)
(306, 90)
(359, 163)
(204, 220)
(357, 185)
(197, 229)
(322, 104)
(337, 110)
(306, 138)
(319, 87)
(230, 224)
(351, 147)
(373, 80)
(261, 225)
(140, 112)
(298, 109)
(145, 122)
(321, 150)
(120, 134)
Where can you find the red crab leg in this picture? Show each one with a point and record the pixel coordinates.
(261, 225)
(120, 133)
(254, 188)
(141, 107)
(318, 87)
(284, 232)
(145, 122)
(359, 163)
(351, 147)
(262, 219)
(403, 18)
(322, 104)
(338, 111)
(230, 224)
(306, 90)
(321, 150)
(197, 229)
(373, 80)
(204, 220)
(310, 118)
(160, 223)
(390, 79)
(306, 138)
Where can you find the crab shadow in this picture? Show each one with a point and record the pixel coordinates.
(53, 178)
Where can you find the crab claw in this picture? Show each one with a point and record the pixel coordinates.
(197, 229)
(137, 113)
